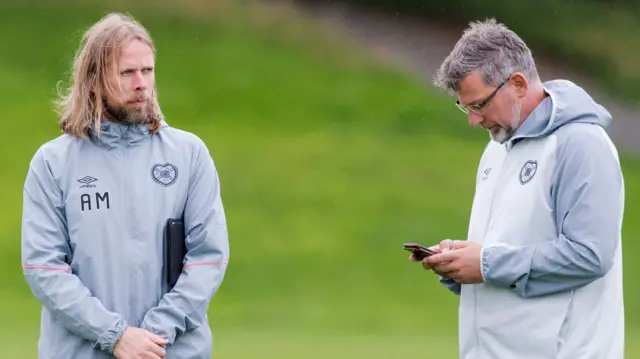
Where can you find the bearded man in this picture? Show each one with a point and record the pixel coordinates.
(96, 200)
(540, 272)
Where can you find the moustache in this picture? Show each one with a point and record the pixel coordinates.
(139, 98)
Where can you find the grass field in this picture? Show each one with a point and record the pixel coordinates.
(328, 162)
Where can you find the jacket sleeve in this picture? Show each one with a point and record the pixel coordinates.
(46, 255)
(454, 287)
(588, 194)
(185, 306)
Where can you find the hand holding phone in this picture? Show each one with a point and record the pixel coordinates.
(419, 251)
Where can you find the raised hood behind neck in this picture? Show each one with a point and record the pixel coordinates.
(566, 103)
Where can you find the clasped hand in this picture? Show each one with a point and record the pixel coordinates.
(136, 343)
(457, 260)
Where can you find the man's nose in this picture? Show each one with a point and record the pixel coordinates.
(474, 119)
(138, 81)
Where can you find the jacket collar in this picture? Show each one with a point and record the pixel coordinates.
(117, 135)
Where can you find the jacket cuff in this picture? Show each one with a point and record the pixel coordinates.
(450, 284)
(483, 264)
(489, 255)
(108, 340)
(145, 325)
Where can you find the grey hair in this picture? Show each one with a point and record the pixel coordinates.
(493, 49)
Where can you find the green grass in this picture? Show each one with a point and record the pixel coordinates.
(328, 163)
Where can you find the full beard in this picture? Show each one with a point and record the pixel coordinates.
(504, 134)
(128, 115)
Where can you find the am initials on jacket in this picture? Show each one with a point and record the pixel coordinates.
(98, 201)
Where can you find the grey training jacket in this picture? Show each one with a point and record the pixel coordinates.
(93, 218)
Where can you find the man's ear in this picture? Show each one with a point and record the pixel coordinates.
(520, 84)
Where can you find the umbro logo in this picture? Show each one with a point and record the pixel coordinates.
(486, 173)
(86, 182)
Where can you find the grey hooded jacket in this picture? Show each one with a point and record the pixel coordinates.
(548, 212)
(93, 218)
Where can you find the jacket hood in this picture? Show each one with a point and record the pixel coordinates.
(113, 135)
(566, 103)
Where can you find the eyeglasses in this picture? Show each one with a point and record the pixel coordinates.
(479, 106)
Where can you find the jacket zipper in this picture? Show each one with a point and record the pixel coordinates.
(495, 190)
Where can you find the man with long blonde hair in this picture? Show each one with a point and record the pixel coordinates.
(96, 201)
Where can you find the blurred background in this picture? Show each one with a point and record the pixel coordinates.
(333, 149)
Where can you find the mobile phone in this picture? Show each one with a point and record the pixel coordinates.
(418, 250)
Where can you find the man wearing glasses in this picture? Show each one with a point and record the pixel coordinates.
(540, 273)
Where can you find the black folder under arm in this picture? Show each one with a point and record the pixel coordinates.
(175, 251)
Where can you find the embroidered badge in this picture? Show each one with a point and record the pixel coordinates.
(164, 174)
(528, 171)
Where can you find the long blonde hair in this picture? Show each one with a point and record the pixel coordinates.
(80, 105)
